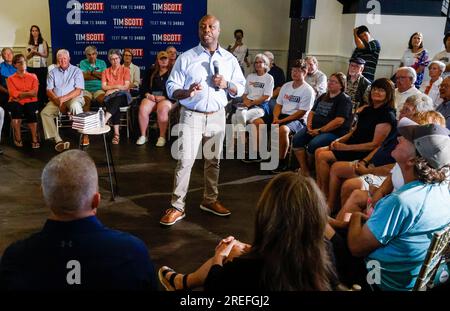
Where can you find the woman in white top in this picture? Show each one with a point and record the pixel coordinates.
(37, 53)
(416, 56)
(255, 101)
(135, 72)
(431, 87)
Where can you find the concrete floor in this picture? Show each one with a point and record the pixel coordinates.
(145, 177)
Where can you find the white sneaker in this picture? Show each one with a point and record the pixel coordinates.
(161, 142)
(141, 140)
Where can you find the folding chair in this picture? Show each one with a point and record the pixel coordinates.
(438, 250)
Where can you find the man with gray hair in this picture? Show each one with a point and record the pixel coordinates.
(74, 250)
(316, 78)
(92, 68)
(65, 85)
(278, 79)
(406, 77)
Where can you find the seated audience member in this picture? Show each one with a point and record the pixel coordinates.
(291, 111)
(444, 56)
(172, 55)
(37, 53)
(416, 57)
(383, 179)
(431, 87)
(278, 79)
(23, 101)
(376, 122)
(368, 49)
(92, 69)
(135, 72)
(357, 84)
(65, 85)
(255, 105)
(405, 78)
(6, 69)
(444, 108)
(116, 83)
(377, 165)
(284, 256)
(155, 98)
(239, 49)
(316, 78)
(74, 250)
(329, 119)
(398, 233)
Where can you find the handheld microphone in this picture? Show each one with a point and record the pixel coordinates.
(216, 72)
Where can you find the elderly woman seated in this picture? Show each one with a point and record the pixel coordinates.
(285, 255)
(431, 87)
(255, 101)
(375, 122)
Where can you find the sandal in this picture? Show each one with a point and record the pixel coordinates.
(18, 143)
(116, 139)
(169, 283)
(35, 145)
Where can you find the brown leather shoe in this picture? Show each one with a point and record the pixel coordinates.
(216, 208)
(171, 216)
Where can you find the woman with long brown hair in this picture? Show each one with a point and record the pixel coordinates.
(288, 253)
(155, 98)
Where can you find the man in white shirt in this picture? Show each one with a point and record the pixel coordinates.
(444, 56)
(202, 93)
(406, 77)
(316, 78)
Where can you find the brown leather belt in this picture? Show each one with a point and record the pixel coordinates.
(203, 112)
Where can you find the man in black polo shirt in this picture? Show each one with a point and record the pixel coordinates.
(74, 251)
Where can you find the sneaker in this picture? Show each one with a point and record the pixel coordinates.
(171, 216)
(161, 142)
(62, 145)
(141, 140)
(85, 141)
(216, 208)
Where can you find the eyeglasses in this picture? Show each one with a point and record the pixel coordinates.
(259, 62)
(378, 89)
(115, 58)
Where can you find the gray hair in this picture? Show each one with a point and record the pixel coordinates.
(69, 182)
(265, 59)
(422, 102)
(90, 49)
(269, 55)
(440, 64)
(312, 58)
(411, 72)
(114, 51)
(6, 49)
(61, 52)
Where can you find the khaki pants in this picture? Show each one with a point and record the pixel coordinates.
(198, 130)
(50, 112)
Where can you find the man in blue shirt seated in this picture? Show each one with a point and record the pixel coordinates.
(397, 235)
(74, 251)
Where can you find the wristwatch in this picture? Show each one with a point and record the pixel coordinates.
(319, 131)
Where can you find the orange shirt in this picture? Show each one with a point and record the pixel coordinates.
(17, 84)
(123, 74)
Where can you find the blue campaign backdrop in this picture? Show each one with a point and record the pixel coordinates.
(144, 26)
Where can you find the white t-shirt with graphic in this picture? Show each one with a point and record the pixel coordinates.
(295, 99)
(258, 86)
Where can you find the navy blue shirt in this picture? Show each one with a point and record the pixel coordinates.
(278, 76)
(107, 259)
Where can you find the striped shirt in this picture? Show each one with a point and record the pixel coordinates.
(370, 54)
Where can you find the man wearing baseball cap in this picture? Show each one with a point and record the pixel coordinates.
(357, 84)
(397, 235)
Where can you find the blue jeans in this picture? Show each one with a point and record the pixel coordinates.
(303, 140)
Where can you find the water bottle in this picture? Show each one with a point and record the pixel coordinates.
(101, 117)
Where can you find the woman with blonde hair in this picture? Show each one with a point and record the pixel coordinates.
(288, 253)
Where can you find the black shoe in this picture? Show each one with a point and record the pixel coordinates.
(248, 160)
(280, 169)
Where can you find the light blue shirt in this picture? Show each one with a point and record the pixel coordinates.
(6, 70)
(63, 82)
(404, 223)
(196, 66)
